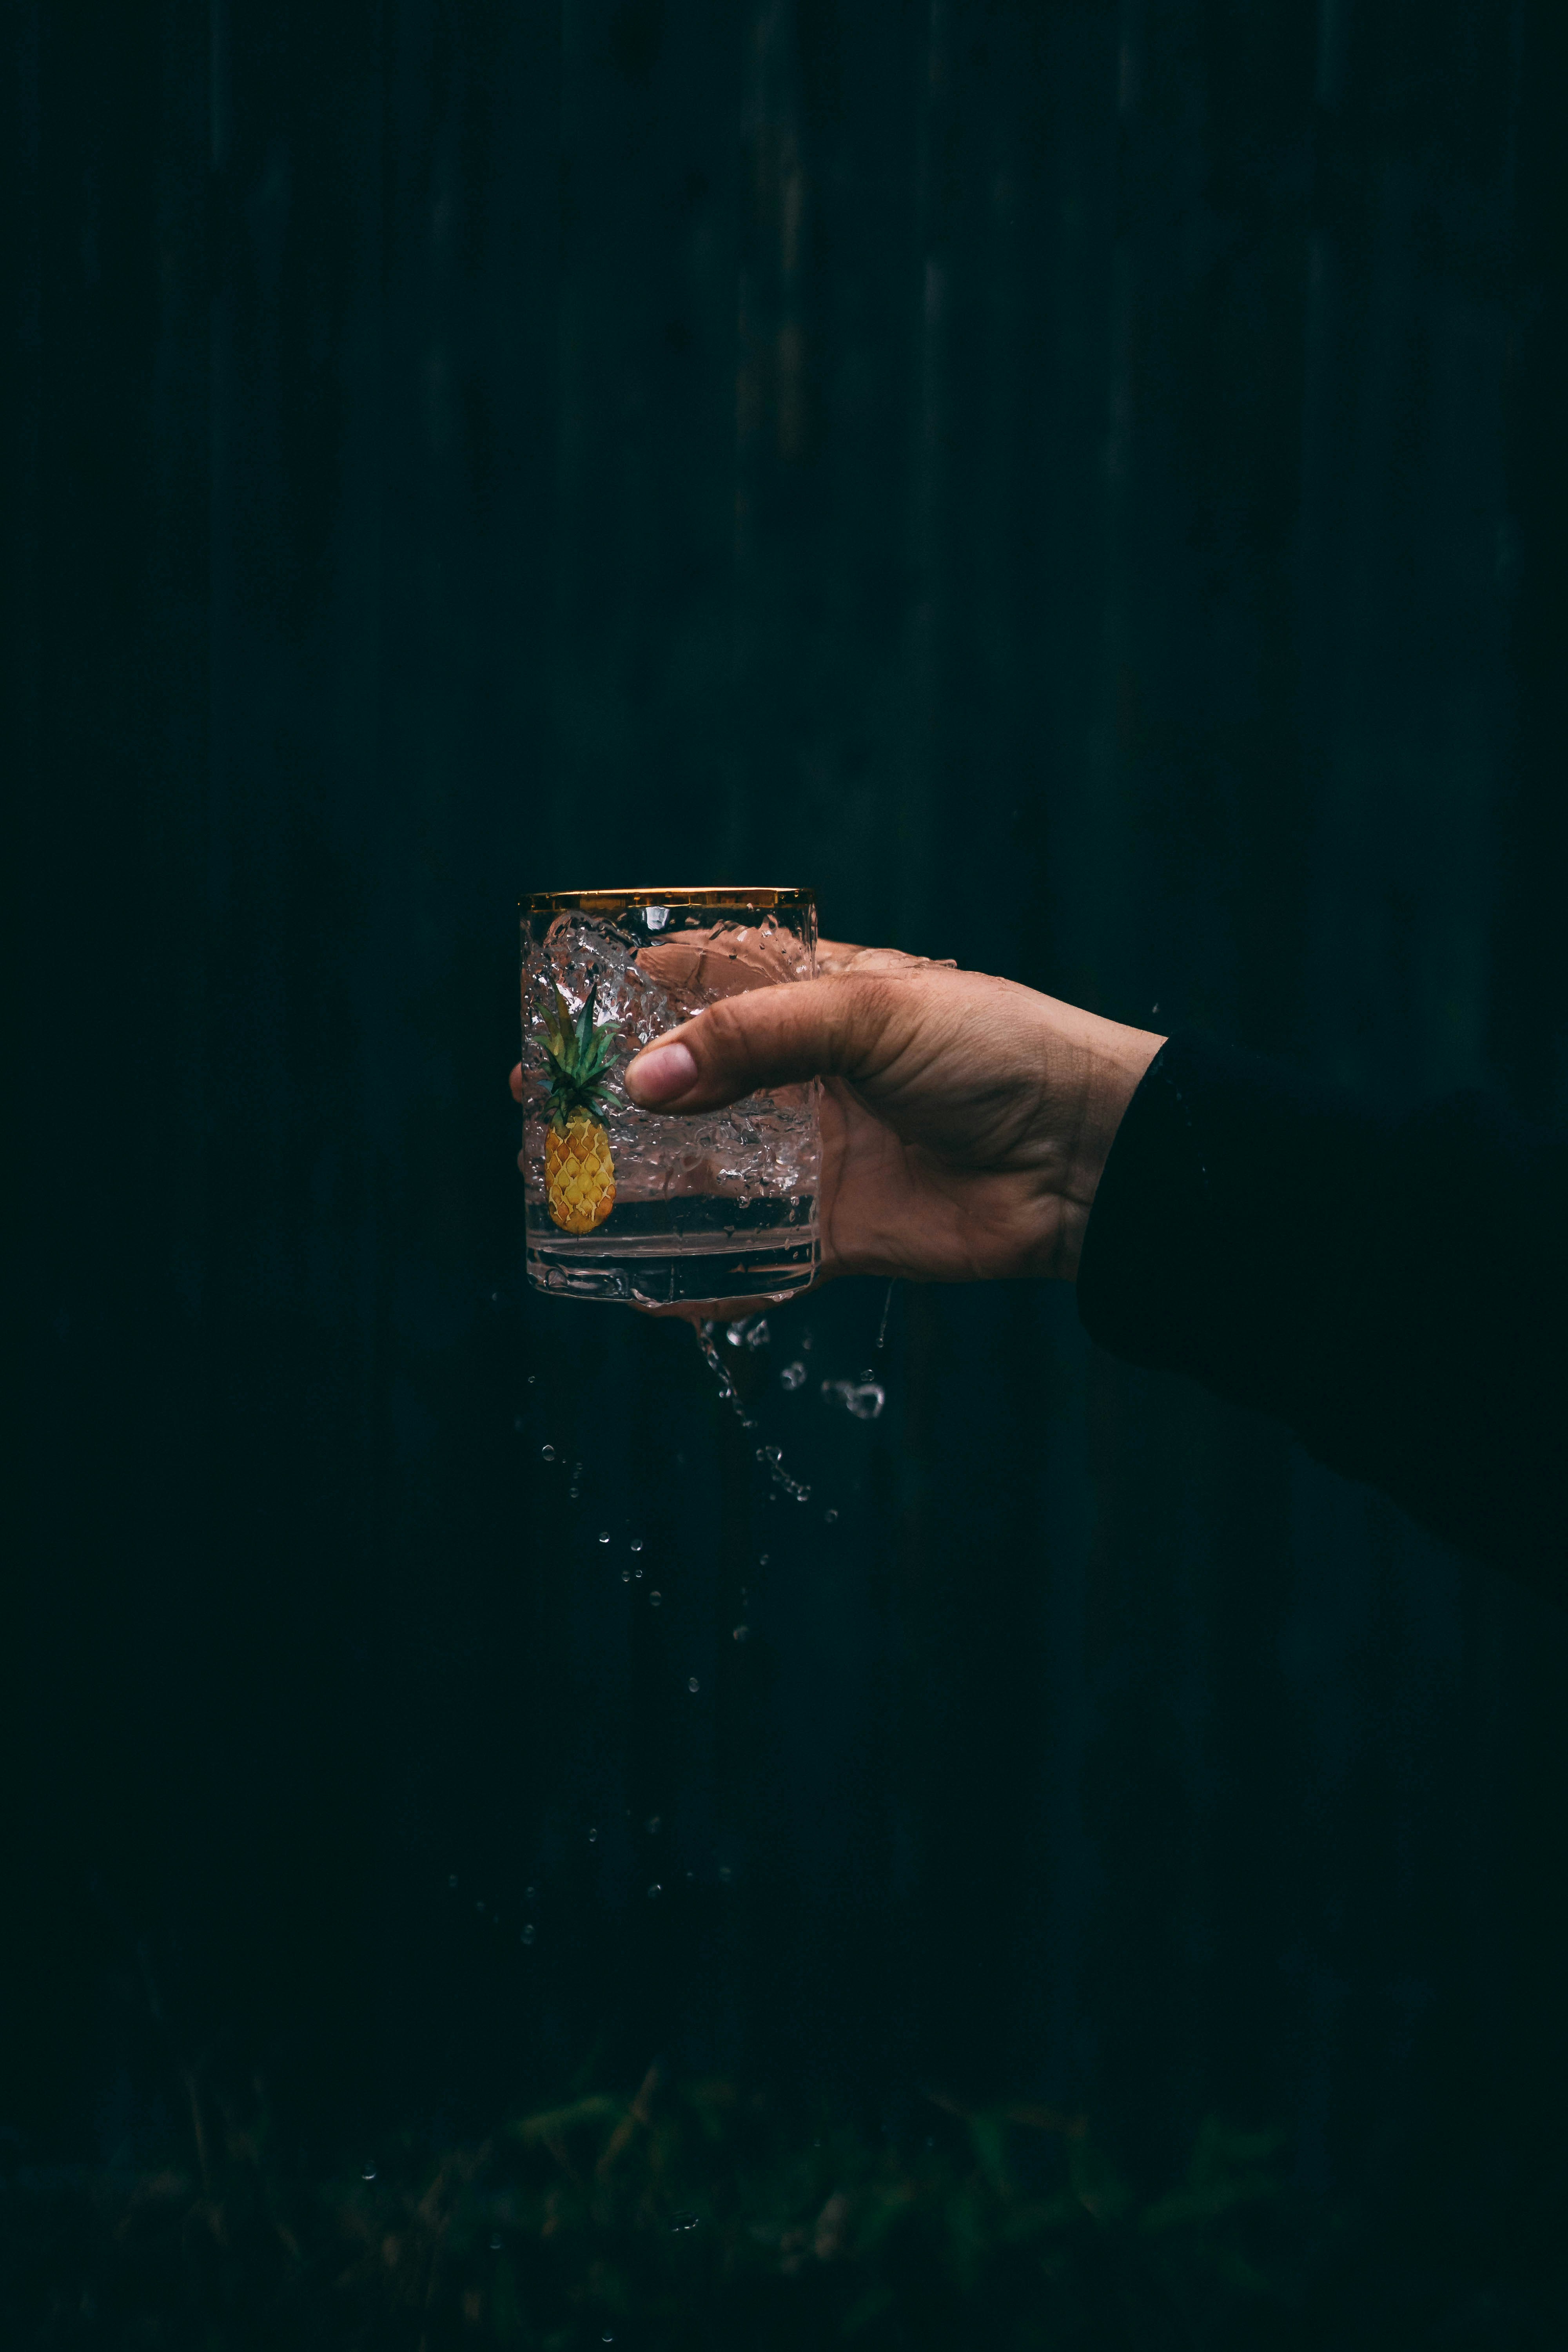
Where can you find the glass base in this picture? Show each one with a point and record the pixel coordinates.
(663, 1252)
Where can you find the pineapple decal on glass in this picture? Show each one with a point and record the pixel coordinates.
(579, 1166)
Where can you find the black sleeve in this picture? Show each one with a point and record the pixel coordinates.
(1395, 1288)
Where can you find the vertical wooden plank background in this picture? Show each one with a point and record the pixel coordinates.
(1079, 482)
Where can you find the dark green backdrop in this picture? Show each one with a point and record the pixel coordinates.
(1077, 482)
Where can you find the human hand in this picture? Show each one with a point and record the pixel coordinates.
(965, 1119)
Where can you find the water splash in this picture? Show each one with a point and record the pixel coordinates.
(793, 1376)
(716, 1366)
(770, 1456)
(862, 1398)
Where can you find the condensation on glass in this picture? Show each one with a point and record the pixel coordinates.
(642, 1206)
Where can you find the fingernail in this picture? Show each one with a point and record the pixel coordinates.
(661, 1073)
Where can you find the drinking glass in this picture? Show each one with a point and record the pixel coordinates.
(642, 1206)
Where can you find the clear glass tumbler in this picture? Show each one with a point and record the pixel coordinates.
(639, 1205)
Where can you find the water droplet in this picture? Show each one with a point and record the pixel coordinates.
(572, 1494)
(479, 1907)
(759, 1335)
(693, 1685)
(531, 1378)
(793, 1376)
(576, 1469)
(495, 2244)
(863, 1400)
(637, 1573)
(527, 1936)
(547, 1454)
(830, 1515)
(528, 1892)
(626, 1576)
(495, 1298)
(593, 1837)
(637, 1543)
(761, 1560)
(734, 1333)
(741, 1633)
(682, 2224)
(725, 1873)
(453, 1880)
(370, 2172)
(604, 1535)
(654, 1598)
(654, 1890)
(653, 1824)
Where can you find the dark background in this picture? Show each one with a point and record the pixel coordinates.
(1079, 483)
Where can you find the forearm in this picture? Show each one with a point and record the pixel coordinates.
(1395, 1290)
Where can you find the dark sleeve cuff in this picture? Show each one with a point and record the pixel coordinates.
(1393, 1288)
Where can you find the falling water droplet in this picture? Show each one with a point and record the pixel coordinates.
(370, 2172)
(761, 1560)
(656, 1889)
(495, 2244)
(547, 1454)
(527, 1936)
(759, 1335)
(593, 1837)
(531, 1378)
(741, 1633)
(693, 1685)
(830, 1515)
(887, 1310)
(626, 1576)
(604, 1535)
(636, 1543)
(653, 1824)
(725, 1873)
(863, 1399)
(793, 1376)
(682, 2224)
(734, 1333)
(453, 1880)
(654, 1600)
(528, 1892)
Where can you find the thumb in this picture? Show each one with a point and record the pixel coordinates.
(763, 1037)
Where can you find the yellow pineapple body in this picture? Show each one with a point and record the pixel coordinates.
(579, 1173)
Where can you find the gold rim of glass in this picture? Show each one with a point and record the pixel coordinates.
(752, 897)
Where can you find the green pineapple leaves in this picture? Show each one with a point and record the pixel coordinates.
(578, 1055)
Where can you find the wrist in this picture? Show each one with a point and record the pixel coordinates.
(1110, 1060)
